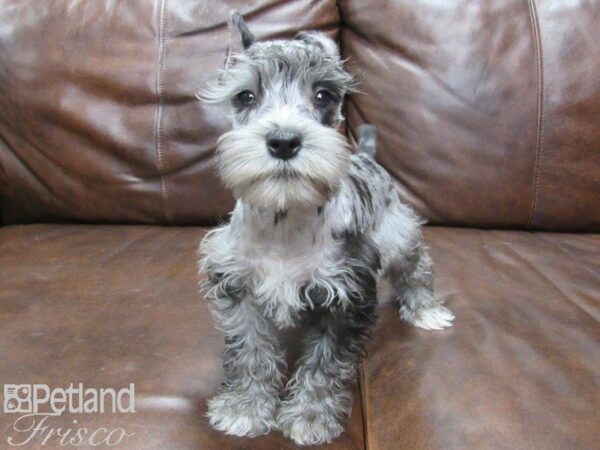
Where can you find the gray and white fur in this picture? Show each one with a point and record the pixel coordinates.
(314, 229)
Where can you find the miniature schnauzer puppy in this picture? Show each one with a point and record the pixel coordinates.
(313, 229)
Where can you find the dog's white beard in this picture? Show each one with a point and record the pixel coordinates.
(259, 179)
(283, 194)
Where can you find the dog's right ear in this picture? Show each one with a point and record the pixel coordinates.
(240, 37)
(319, 39)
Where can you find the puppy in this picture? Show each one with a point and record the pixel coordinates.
(314, 228)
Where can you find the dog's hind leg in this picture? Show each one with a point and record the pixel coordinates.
(411, 280)
(407, 267)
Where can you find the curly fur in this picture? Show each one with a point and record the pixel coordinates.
(307, 242)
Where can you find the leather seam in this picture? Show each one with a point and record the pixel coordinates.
(340, 25)
(362, 386)
(160, 107)
(540, 111)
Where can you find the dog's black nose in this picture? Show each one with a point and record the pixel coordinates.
(284, 144)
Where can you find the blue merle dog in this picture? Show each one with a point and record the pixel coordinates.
(314, 229)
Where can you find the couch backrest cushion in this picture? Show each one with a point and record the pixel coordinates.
(98, 116)
(488, 112)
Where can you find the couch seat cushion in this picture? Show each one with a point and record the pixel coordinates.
(521, 367)
(111, 305)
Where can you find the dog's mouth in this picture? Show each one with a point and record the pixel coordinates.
(287, 171)
(292, 176)
(286, 188)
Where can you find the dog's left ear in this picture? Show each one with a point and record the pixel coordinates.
(240, 37)
(320, 40)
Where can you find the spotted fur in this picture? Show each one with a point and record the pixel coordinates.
(307, 243)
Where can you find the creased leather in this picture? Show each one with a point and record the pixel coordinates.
(111, 305)
(98, 116)
(487, 111)
(519, 368)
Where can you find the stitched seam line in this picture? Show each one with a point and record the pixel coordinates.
(159, 113)
(540, 110)
(362, 379)
(345, 123)
(362, 386)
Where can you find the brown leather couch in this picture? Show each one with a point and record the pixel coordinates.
(489, 117)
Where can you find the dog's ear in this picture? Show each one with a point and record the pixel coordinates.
(240, 37)
(320, 40)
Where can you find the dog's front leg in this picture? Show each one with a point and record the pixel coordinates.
(252, 360)
(319, 394)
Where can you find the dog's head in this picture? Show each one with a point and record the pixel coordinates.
(286, 99)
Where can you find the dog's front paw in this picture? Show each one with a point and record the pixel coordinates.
(435, 317)
(308, 425)
(239, 414)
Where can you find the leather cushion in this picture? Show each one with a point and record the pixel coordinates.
(521, 366)
(112, 305)
(98, 116)
(487, 111)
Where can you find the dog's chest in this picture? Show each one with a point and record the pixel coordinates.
(280, 271)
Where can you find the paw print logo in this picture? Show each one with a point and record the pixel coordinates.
(17, 398)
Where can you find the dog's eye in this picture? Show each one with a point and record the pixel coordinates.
(324, 98)
(245, 98)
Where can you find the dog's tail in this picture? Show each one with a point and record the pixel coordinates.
(367, 139)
